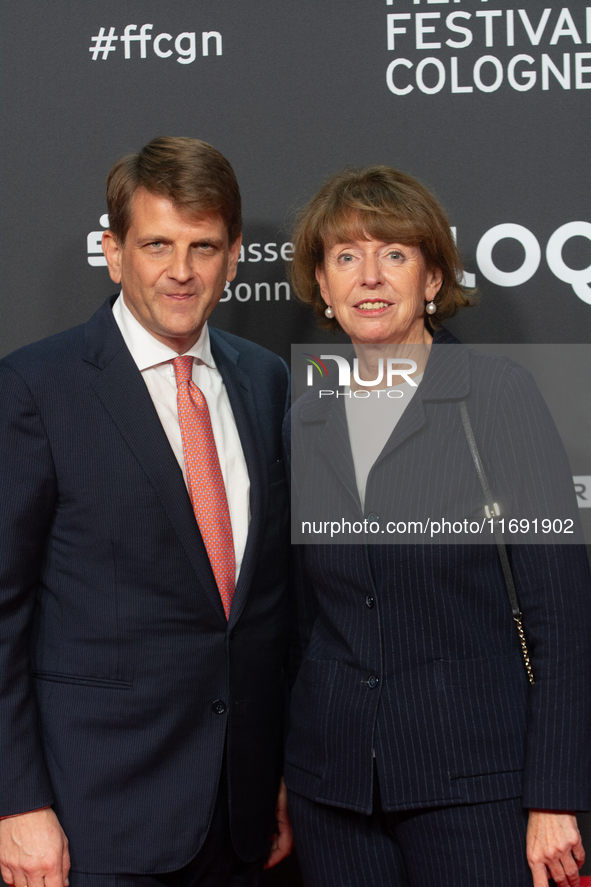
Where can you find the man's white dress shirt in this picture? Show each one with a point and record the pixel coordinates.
(154, 361)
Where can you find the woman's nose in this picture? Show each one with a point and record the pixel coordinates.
(371, 271)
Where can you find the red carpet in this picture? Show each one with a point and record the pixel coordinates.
(586, 882)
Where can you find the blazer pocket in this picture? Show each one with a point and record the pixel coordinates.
(82, 680)
(483, 713)
(311, 698)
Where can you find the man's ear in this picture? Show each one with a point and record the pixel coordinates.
(112, 250)
(233, 256)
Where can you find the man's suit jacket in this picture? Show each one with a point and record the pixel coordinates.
(120, 676)
(411, 650)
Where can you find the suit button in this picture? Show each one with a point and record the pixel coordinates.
(373, 518)
(369, 601)
(373, 681)
(218, 707)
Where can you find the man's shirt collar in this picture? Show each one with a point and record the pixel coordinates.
(146, 350)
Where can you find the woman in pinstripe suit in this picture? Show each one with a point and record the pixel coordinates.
(418, 753)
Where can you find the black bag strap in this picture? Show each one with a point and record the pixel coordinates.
(492, 511)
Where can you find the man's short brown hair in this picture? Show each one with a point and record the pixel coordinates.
(189, 172)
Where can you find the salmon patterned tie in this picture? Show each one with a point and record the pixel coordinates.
(204, 479)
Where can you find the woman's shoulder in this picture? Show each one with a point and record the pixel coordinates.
(488, 365)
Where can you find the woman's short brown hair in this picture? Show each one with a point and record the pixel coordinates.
(384, 204)
(189, 172)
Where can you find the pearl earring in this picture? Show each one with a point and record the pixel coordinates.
(329, 312)
(431, 307)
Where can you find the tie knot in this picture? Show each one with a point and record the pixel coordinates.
(183, 368)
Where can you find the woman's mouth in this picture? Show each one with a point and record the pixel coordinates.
(368, 305)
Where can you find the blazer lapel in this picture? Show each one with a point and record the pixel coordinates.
(239, 387)
(333, 440)
(447, 377)
(119, 385)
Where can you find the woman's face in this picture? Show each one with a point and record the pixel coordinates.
(378, 290)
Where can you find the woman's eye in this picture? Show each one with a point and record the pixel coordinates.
(395, 254)
(346, 258)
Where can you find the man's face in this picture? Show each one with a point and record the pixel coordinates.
(172, 268)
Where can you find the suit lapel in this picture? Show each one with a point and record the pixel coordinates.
(335, 445)
(333, 439)
(119, 385)
(447, 377)
(239, 387)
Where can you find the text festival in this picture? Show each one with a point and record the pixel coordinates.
(447, 31)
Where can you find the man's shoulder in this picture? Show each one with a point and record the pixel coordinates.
(62, 352)
(58, 357)
(245, 352)
(61, 348)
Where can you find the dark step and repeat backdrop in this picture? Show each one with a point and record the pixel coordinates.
(484, 101)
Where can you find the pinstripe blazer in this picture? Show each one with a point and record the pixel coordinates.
(411, 651)
(120, 676)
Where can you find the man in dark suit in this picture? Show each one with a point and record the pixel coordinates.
(143, 538)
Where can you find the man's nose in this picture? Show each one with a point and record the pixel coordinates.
(180, 267)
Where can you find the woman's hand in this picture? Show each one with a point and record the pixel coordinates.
(554, 848)
(282, 840)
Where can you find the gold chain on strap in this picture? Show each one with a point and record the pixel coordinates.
(524, 650)
(491, 509)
